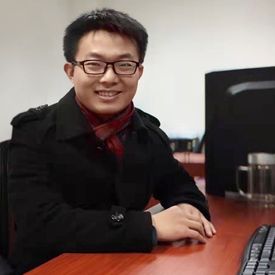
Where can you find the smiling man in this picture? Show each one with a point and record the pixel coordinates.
(105, 88)
(81, 171)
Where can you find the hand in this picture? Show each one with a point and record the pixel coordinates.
(182, 221)
(189, 209)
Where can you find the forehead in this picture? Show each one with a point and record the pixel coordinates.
(107, 45)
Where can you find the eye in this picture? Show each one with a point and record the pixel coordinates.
(94, 64)
(126, 64)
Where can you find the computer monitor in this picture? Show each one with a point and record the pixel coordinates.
(240, 118)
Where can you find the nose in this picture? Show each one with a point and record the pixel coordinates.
(109, 76)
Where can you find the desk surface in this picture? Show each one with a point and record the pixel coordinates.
(235, 221)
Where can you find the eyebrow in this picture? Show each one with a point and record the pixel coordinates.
(99, 56)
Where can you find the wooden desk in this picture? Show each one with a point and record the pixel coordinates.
(235, 221)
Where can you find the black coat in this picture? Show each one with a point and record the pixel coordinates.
(69, 193)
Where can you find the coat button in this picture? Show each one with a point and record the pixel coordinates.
(100, 146)
(117, 217)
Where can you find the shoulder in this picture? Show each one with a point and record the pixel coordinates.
(147, 118)
(32, 125)
(32, 115)
(153, 125)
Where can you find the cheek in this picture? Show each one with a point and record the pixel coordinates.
(83, 84)
(130, 90)
(83, 92)
(132, 85)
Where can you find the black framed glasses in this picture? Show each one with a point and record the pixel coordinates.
(97, 67)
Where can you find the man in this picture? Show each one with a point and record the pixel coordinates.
(83, 170)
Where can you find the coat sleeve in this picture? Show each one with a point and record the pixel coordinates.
(173, 185)
(45, 222)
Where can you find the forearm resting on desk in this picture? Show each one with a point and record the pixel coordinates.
(182, 221)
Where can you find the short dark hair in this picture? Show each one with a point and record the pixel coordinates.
(104, 19)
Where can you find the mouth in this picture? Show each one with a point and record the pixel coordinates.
(106, 94)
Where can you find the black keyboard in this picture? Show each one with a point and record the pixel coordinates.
(259, 253)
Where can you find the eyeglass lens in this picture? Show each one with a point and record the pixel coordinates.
(99, 67)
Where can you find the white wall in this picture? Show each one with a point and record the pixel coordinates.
(31, 55)
(187, 38)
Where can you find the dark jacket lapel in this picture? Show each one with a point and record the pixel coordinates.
(70, 122)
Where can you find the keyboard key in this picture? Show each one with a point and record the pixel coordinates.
(272, 265)
(259, 254)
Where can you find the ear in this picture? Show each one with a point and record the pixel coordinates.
(140, 71)
(69, 70)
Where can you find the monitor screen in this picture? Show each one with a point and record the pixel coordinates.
(240, 119)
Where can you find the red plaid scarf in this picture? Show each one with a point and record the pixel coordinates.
(107, 131)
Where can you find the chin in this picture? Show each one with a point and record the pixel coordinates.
(110, 111)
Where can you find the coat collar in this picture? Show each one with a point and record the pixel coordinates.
(70, 122)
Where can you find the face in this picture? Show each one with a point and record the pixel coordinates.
(108, 94)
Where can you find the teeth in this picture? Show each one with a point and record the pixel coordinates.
(107, 93)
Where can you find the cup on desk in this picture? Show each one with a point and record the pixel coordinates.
(260, 179)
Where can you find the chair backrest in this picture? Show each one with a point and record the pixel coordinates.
(4, 214)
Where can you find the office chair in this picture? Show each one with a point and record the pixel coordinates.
(4, 214)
